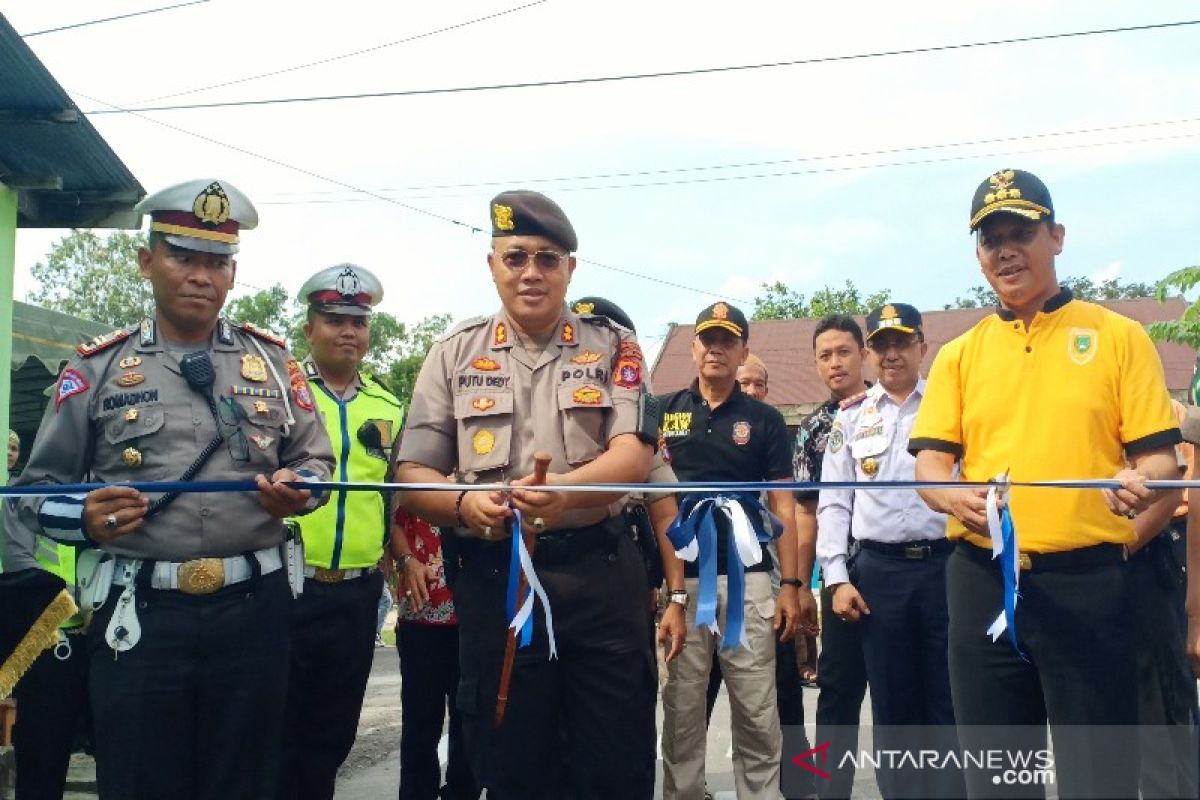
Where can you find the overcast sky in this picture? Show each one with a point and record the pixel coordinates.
(811, 217)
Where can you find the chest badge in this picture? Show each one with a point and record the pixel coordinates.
(870, 466)
(482, 403)
(261, 440)
(485, 364)
(587, 396)
(261, 407)
(1081, 345)
(130, 379)
(132, 457)
(129, 362)
(254, 368)
(741, 433)
(483, 442)
(586, 357)
(131, 415)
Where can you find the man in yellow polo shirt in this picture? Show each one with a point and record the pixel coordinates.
(334, 620)
(1046, 388)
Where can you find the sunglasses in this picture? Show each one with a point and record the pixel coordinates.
(545, 260)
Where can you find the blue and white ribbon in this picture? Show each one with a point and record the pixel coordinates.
(521, 619)
(1006, 549)
(693, 534)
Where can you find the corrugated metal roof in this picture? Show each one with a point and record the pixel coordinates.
(65, 174)
(785, 346)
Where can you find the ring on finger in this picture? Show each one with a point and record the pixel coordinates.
(110, 521)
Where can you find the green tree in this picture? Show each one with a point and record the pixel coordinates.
(1186, 329)
(1082, 288)
(94, 278)
(272, 309)
(778, 301)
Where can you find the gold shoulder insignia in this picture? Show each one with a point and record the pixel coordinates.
(852, 401)
(101, 343)
(265, 335)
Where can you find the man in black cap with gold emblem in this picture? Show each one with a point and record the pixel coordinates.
(531, 378)
(333, 621)
(1047, 388)
(189, 648)
(716, 433)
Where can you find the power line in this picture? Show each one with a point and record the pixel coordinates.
(741, 165)
(656, 75)
(343, 56)
(798, 172)
(111, 19)
(375, 195)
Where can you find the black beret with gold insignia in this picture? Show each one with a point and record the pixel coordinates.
(1013, 191)
(603, 308)
(726, 317)
(525, 213)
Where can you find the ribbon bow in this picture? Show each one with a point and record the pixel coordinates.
(693, 534)
(1005, 548)
(521, 619)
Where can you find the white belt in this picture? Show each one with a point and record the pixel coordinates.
(326, 575)
(200, 575)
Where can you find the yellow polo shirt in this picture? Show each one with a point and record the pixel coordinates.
(1069, 398)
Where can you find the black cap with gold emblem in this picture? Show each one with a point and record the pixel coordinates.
(1013, 191)
(893, 317)
(726, 317)
(203, 214)
(525, 213)
(602, 307)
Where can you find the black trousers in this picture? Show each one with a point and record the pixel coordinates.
(195, 709)
(428, 688)
(1076, 625)
(1166, 687)
(581, 725)
(842, 680)
(333, 648)
(904, 648)
(52, 713)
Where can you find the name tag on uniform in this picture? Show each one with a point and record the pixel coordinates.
(871, 438)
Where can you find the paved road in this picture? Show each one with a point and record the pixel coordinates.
(372, 770)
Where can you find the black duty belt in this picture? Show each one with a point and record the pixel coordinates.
(553, 547)
(914, 549)
(1081, 558)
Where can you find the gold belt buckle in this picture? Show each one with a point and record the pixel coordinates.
(201, 575)
(324, 575)
(1024, 561)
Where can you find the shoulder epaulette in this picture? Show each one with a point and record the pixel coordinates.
(473, 322)
(267, 336)
(102, 343)
(852, 401)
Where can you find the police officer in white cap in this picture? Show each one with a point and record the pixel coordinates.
(334, 621)
(189, 647)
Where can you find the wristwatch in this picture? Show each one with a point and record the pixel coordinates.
(799, 584)
(679, 596)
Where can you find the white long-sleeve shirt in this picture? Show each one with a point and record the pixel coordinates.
(873, 433)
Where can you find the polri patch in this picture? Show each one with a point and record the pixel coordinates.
(70, 383)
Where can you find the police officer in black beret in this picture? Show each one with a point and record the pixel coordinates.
(535, 376)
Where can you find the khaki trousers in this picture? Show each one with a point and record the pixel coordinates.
(750, 683)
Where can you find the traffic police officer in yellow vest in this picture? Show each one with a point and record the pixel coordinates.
(333, 621)
(189, 639)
